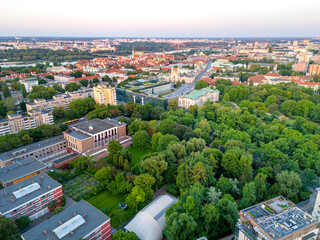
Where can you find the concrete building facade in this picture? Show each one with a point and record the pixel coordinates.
(104, 94)
(16, 122)
(29, 83)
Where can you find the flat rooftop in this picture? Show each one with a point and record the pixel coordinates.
(20, 169)
(80, 219)
(18, 152)
(277, 217)
(95, 126)
(11, 198)
(280, 225)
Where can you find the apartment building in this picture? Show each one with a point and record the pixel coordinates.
(29, 83)
(61, 100)
(85, 136)
(30, 198)
(20, 171)
(314, 69)
(44, 151)
(276, 219)
(104, 94)
(16, 122)
(80, 221)
(198, 97)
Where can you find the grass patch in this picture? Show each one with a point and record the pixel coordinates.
(138, 154)
(107, 200)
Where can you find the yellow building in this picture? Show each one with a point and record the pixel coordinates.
(104, 94)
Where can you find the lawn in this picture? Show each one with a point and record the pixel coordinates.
(137, 154)
(109, 201)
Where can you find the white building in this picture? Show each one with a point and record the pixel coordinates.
(29, 83)
(149, 223)
(198, 97)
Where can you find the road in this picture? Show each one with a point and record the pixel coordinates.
(187, 87)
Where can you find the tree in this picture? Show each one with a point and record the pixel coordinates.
(114, 146)
(210, 214)
(201, 84)
(5, 91)
(180, 226)
(136, 196)
(173, 104)
(228, 212)
(84, 82)
(214, 195)
(145, 181)
(24, 91)
(10, 104)
(165, 141)
(23, 222)
(237, 163)
(71, 87)
(155, 140)
(83, 106)
(226, 97)
(248, 195)
(8, 230)
(120, 235)
(261, 186)
(58, 112)
(155, 165)
(289, 184)
(153, 126)
(287, 107)
(103, 174)
(141, 139)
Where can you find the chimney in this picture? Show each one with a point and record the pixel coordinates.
(6, 194)
(71, 232)
(12, 200)
(90, 128)
(85, 222)
(49, 187)
(60, 223)
(44, 232)
(74, 214)
(84, 215)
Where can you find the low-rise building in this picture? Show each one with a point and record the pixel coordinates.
(43, 151)
(20, 171)
(149, 223)
(16, 122)
(104, 94)
(80, 221)
(85, 136)
(61, 100)
(276, 219)
(30, 198)
(29, 83)
(198, 97)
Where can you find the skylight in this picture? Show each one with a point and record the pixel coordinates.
(26, 190)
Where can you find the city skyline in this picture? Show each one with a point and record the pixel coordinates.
(162, 19)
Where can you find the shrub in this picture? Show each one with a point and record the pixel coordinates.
(23, 222)
(57, 210)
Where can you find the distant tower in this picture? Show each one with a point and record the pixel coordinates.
(316, 209)
(133, 53)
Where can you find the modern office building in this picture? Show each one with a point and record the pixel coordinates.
(80, 221)
(104, 94)
(20, 171)
(29, 83)
(16, 122)
(61, 100)
(95, 133)
(276, 219)
(198, 97)
(30, 198)
(44, 151)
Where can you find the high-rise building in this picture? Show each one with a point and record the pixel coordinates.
(104, 94)
(276, 219)
(314, 69)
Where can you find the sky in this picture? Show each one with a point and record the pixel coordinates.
(160, 18)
